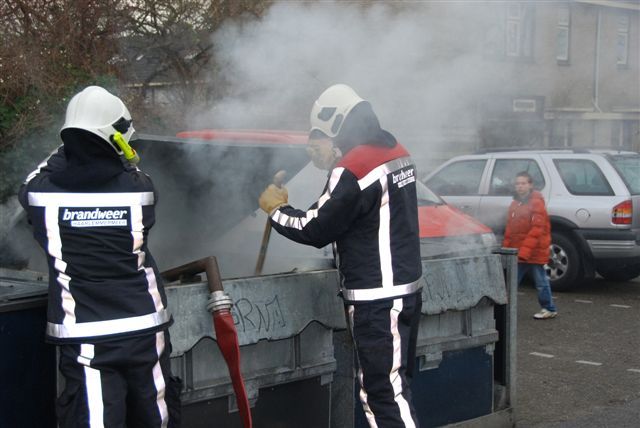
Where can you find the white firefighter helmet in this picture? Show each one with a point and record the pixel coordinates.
(96, 110)
(332, 107)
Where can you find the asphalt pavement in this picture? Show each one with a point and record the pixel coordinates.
(582, 368)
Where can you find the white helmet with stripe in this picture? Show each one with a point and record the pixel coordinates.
(96, 110)
(332, 107)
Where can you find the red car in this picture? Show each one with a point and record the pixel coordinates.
(209, 181)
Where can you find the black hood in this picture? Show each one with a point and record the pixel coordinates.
(361, 126)
(90, 161)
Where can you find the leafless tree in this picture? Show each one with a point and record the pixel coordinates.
(169, 43)
(51, 48)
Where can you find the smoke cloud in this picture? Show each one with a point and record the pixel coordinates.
(420, 65)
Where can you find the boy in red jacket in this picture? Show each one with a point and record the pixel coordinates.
(528, 229)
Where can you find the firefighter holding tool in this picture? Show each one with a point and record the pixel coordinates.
(368, 210)
(91, 209)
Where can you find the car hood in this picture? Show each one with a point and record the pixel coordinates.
(438, 221)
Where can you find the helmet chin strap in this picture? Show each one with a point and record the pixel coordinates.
(129, 153)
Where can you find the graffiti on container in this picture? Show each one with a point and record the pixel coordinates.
(263, 316)
(448, 282)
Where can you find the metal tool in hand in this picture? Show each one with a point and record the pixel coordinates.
(278, 180)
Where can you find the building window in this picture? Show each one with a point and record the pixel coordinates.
(563, 34)
(622, 41)
(519, 30)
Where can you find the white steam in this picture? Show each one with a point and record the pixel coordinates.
(420, 65)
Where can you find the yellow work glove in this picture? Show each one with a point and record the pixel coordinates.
(273, 197)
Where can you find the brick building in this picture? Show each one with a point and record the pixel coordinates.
(582, 67)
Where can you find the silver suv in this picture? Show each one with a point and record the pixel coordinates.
(593, 200)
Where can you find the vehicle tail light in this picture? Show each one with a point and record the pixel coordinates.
(622, 213)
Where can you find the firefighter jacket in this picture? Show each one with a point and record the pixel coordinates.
(528, 229)
(103, 282)
(369, 210)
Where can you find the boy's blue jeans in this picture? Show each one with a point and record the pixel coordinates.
(541, 281)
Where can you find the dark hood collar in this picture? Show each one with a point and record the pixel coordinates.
(361, 126)
(90, 161)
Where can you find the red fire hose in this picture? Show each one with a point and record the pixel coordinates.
(219, 305)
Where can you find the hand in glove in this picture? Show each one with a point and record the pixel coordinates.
(273, 197)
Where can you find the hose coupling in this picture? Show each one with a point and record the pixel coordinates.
(219, 300)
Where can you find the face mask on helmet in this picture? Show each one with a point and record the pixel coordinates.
(332, 107)
(96, 110)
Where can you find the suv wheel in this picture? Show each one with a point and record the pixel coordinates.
(621, 274)
(564, 263)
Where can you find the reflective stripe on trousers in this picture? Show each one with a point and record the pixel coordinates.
(125, 382)
(385, 334)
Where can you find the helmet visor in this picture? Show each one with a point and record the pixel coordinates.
(122, 125)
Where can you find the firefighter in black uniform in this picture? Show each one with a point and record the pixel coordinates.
(368, 210)
(91, 211)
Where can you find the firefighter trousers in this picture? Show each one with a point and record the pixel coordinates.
(119, 383)
(385, 334)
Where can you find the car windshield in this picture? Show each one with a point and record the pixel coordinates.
(426, 196)
(629, 168)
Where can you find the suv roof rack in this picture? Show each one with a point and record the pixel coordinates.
(552, 149)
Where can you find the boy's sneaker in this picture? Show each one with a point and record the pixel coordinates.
(545, 314)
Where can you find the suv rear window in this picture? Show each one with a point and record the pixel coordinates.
(505, 171)
(458, 179)
(628, 167)
(583, 177)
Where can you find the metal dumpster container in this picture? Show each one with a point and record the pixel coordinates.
(456, 379)
(297, 358)
(285, 327)
(296, 355)
(27, 365)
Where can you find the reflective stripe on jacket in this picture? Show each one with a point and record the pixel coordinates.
(102, 280)
(369, 209)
